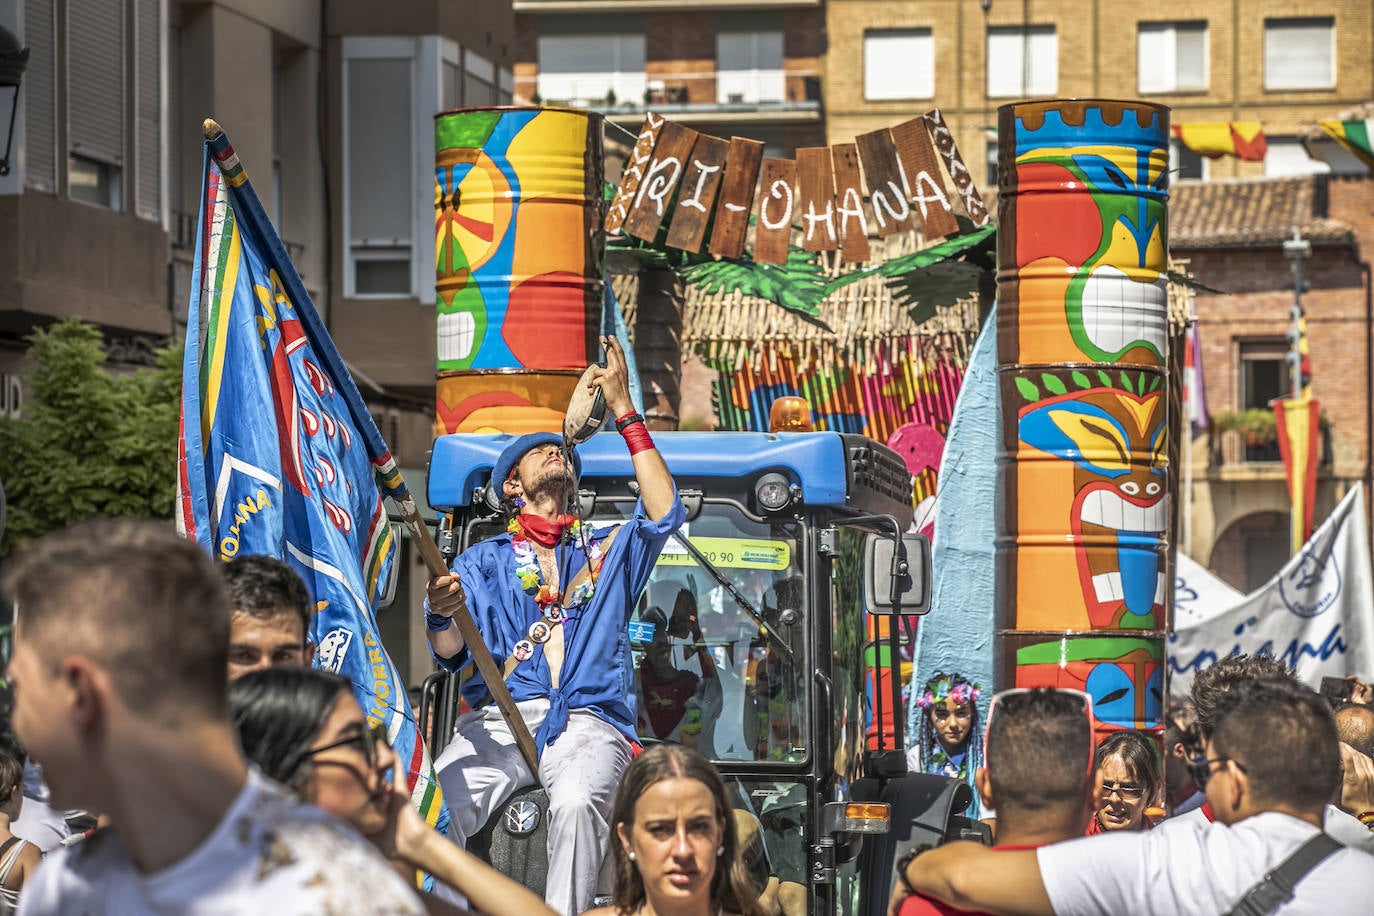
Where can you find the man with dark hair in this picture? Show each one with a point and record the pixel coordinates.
(1036, 774)
(553, 601)
(1274, 762)
(1208, 687)
(271, 614)
(121, 640)
(1181, 788)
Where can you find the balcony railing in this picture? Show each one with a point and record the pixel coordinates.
(183, 237)
(724, 91)
(1229, 447)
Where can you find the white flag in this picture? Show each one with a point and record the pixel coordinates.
(1316, 613)
(1199, 594)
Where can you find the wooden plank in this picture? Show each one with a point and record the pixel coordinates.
(633, 173)
(816, 199)
(883, 176)
(736, 197)
(777, 206)
(924, 182)
(954, 163)
(661, 178)
(849, 203)
(698, 194)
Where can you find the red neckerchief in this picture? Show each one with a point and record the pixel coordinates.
(1208, 813)
(542, 531)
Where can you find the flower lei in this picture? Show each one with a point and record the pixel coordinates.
(962, 694)
(527, 567)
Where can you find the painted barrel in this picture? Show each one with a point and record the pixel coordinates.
(518, 250)
(1083, 570)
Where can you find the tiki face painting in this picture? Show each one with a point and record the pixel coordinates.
(1092, 506)
(1124, 676)
(1087, 234)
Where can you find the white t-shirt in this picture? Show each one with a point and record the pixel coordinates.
(270, 854)
(1338, 825)
(41, 825)
(1200, 868)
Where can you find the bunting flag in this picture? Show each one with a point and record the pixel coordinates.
(279, 456)
(1297, 422)
(1194, 393)
(1356, 136)
(1242, 139)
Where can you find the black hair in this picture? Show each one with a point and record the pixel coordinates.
(1222, 675)
(278, 712)
(1139, 755)
(265, 587)
(1283, 735)
(1039, 744)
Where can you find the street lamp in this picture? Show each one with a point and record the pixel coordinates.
(12, 61)
(1297, 249)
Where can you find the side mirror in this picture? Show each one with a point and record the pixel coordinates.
(912, 576)
(393, 573)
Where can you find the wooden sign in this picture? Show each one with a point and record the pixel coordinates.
(816, 199)
(883, 175)
(633, 173)
(777, 204)
(660, 180)
(849, 203)
(736, 197)
(924, 184)
(958, 172)
(698, 194)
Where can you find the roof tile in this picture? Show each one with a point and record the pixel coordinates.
(1242, 212)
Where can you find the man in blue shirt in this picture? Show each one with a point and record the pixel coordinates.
(553, 602)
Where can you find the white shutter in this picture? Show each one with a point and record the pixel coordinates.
(40, 102)
(1005, 47)
(379, 159)
(1044, 61)
(147, 98)
(899, 64)
(1155, 58)
(1299, 54)
(1191, 55)
(95, 79)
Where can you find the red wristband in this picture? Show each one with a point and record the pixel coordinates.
(637, 438)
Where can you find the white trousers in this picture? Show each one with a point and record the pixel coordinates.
(580, 770)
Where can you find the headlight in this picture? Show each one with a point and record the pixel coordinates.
(773, 492)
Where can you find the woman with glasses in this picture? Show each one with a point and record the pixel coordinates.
(1127, 778)
(948, 743)
(303, 728)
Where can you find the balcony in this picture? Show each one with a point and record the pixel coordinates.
(640, 6)
(1231, 456)
(783, 96)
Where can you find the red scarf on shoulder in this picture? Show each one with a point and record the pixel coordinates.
(543, 531)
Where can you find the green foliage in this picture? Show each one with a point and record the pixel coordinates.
(90, 442)
(1256, 425)
(799, 285)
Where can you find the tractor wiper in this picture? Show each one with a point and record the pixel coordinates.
(729, 586)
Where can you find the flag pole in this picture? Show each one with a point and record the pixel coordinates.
(383, 462)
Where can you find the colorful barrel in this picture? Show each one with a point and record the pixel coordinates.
(518, 251)
(1084, 579)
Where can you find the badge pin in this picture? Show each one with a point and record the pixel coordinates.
(539, 632)
(523, 650)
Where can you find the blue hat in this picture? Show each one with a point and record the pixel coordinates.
(515, 450)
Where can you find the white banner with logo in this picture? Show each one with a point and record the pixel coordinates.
(1316, 613)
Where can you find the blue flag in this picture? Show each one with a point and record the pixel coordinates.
(279, 456)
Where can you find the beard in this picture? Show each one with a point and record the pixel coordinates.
(554, 483)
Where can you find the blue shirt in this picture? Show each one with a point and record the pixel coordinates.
(596, 675)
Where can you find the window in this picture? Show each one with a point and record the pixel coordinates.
(1171, 56)
(749, 67)
(40, 97)
(479, 81)
(1022, 61)
(94, 182)
(899, 64)
(587, 69)
(1184, 163)
(96, 112)
(1300, 53)
(992, 164)
(1287, 156)
(379, 171)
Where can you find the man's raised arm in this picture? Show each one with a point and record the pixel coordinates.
(656, 488)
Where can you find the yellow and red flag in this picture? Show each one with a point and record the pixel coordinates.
(1242, 139)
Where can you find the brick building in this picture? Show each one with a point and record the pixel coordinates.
(723, 67)
(1282, 62)
(1232, 235)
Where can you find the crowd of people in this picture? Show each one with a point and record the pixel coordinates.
(192, 760)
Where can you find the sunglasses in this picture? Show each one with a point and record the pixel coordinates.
(1127, 791)
(364, 742)
(1085, 699)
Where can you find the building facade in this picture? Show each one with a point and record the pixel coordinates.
(723, 67)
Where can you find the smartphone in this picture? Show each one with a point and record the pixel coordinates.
(1337, 690)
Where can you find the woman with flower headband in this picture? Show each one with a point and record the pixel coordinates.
(948, 743)
(553, 600)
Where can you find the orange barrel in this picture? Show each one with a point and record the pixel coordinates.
(1084, 578)
(518, 251)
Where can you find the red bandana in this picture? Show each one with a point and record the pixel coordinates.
(542, 531)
